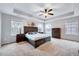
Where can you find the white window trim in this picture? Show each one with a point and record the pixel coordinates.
(72, 23)
(18, 29)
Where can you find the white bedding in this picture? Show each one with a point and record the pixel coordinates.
(36, 36)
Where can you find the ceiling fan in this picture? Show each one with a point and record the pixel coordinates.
(46, 12)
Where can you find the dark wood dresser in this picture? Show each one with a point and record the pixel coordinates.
(56, 33)
(20, 38)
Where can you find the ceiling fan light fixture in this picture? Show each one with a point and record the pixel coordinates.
(45, 14)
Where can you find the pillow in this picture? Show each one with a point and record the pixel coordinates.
(32, 32)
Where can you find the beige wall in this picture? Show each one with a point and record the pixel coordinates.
(61, 24)
(29, 21)
(0, 29)
(6, 26)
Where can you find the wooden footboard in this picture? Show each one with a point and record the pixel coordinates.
(39, 42)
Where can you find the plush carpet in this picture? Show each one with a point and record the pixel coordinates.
(56, 47)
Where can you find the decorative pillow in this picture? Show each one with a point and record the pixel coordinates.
(32, 32)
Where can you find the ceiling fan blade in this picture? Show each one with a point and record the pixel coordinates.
(40, 14)
(45, 10)
(50, 13)
(49, 10)
(42, 11)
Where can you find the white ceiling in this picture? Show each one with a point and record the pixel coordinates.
(32, 9)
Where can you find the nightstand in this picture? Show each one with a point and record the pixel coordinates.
(20, 38)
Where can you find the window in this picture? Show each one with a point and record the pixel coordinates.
(48, 28)
(40, 27)
(16, 27)
(71, 28)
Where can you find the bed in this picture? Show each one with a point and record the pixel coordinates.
(34, 38)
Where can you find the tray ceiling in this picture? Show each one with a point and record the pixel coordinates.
(33, 9)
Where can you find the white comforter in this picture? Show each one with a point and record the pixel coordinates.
(36, 36)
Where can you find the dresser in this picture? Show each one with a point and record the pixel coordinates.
(20, 38)
(56, 33)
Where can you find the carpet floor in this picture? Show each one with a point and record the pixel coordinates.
(56, 47)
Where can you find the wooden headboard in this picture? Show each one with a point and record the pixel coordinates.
(30, 29)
